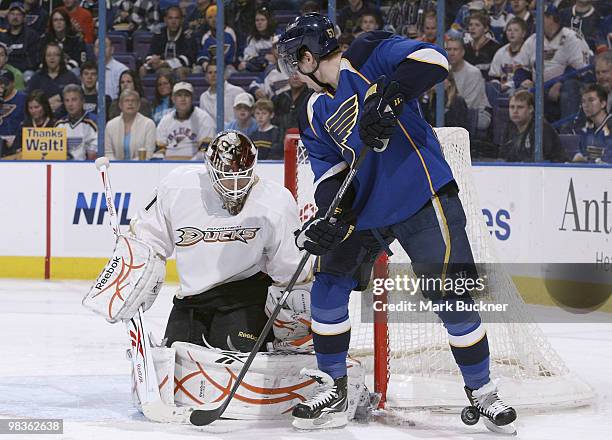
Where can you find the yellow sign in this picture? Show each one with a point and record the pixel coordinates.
(44, 143)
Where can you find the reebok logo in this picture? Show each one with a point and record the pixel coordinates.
(108, 273)
(247, 335)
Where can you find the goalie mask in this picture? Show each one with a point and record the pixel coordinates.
(231, 159)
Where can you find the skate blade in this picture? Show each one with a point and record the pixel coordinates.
(508, 429)
(327, 421)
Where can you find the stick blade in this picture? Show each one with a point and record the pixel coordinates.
(202, 417)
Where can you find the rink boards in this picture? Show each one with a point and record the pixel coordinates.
(54, 214)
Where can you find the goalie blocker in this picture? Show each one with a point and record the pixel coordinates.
(132, 277)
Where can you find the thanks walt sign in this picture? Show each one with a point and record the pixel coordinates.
(44, 143)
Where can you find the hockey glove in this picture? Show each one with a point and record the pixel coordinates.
(319, 236)
(379, 114)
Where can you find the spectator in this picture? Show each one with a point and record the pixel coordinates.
(53, 76)
(19, 83)
(186, 130)
(520, 8)
(145, 15)
(239, 19)
(12, 108)
(500, 16)
(208, 99)
(480, 51)
(406, 17)
(171, 47)
(348, 17)
(461, 23)
(455, 108)
(243, 115)
(344, 41)
(162, 102)
(603, 73)
(430, 28)
(604, 35)
(38, 114)
(91, 6)
(82, 20)
(130, 133)
(257, 53)
(519, 140)
(563, 49)
(82, 130)
(208, 48)
(596, 134)
(310, 6)
(60, 30)
(267, 137)
(507, 59)
(315, 6)
(36, 16)
(272, 81)
(89, 82)
(22, 42)
(584, 19)
(122, 20)
(196, 21)
(289, 104)
(129, 80)
(470, 83)
(368, 21)
(114, 68)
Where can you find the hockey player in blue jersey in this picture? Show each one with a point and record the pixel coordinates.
(403, 191)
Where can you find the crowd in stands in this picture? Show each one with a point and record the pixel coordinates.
(161, 73)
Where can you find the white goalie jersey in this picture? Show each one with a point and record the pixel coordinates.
(213, 247)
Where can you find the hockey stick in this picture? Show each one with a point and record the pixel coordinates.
(142, 359)
(200, 417)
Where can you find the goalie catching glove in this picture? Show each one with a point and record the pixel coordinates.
(381, 107)
(133, 277)
(320, 236)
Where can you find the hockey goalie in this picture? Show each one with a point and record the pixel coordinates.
(233, 234)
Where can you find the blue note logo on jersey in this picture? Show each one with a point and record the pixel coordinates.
(340, 125)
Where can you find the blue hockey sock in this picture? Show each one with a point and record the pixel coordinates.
(330, 321)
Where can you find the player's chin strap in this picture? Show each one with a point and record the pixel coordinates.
(312, 77)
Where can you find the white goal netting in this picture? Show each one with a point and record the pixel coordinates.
(416, 368)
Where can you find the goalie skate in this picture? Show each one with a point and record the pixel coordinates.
(328, 408)
(485, 401)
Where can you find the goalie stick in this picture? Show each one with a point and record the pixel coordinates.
(142, 359)
(200, 417)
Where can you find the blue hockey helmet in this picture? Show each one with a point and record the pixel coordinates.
(312, 31)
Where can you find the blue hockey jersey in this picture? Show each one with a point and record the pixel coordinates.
(395, 184)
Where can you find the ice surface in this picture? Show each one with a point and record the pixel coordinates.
(59, 360)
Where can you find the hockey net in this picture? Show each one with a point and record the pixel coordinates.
(408, 357)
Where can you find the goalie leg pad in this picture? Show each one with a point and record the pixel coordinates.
(163, 360)
(270, 389)
(133, 277)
